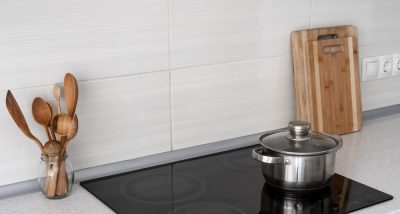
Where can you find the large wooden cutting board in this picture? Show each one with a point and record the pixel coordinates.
(326, 77)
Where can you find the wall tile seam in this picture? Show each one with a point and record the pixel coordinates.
(230, 62)
(201, 19)
(87, 80)
(171, 120)
(380, 43)
(172, 69)
(316, 10)
(311, 13)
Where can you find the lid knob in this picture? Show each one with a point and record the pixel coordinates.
(299, 127)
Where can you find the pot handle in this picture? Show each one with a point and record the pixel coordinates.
(258, 155)
(338, 139)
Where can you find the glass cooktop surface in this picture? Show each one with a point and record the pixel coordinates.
(225, 183)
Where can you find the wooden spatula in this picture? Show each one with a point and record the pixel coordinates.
(19, 119)
(70, 94)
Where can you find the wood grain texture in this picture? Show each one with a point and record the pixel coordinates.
(337, 91)
(71, 93)
(326, 77)
(119, 119)
(372, 18)
(43, 114)
(19, 119)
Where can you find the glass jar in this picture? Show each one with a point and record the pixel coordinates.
(56, 176)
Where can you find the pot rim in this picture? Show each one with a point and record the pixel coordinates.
(336, 138)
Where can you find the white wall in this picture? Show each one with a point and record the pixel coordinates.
(157, 75)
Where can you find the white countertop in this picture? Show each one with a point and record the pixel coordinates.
(371, 156)
(80, 201)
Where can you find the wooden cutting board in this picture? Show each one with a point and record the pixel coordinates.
(326, 77)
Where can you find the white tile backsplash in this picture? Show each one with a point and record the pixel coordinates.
(224, 101)
(217, 31)
(385, 91)
(375, 25)
(123, 118)
(42, 40)
(319, 5)
(119, 119)
(214, 69)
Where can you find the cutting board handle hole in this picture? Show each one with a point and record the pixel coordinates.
(333, 49)
(327, 36)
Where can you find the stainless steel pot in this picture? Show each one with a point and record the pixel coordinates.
(297, 159)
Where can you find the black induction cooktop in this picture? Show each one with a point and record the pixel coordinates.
(225, 183)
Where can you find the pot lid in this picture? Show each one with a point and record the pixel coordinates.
(298, 140)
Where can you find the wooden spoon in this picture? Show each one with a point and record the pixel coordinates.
(71, 99)
(62, 183)
(74, 128)
(52, 149)
(19, 119)
(57, 95)
(71, 134)
(70, 94)
(61, 124)
(42, 114)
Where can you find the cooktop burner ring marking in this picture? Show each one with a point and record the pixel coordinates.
(230, 162)
(202, 188)
(195, 206)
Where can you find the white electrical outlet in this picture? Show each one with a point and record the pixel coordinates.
(385, 66)
(396, 65)
(370, 69)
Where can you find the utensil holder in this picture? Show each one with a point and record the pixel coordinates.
(56, 176)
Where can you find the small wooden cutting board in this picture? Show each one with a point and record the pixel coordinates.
(326, 77)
